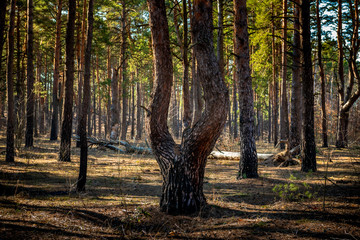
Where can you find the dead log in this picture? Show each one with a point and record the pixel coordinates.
(283, 158)
(235, 155)
(112, 145)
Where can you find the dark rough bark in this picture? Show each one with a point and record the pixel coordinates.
(85, 102)
(248, 158)
(296, 101)
(182, 167)
(29, 134)
(10, 151)
(66, 128)
(322, 77)
(270, 112)
(284, 115)
(308, 150)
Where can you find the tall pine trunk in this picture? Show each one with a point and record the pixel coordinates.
(85, 103)
(10, 150)
(322, 77)
(248, 157)
(66, 128)
(308, 142)
(284, 115)
(30, 104)
(296, 100)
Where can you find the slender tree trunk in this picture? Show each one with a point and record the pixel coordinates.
(270, 111)
(3, 5)
(248, 157)
(275, 83)
(235, 105)
(133, 109)
(138, 111)
(20, 86)
(322, 77)
(186, 93)
(308, 142)
(99, 96)
(108, 103)
(85, 103)
(284, 115)
(55, 104)
(10, 150)
(296, 101)
(29, 135)
(66, 128)
(124, 86)
(182, 167)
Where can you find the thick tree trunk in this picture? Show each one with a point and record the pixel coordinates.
(296, 101)
(308, 150)
(248, 159)
(284, 115)
(29, 134)
(85, 103)
(322, 77)
(66, 128)
(10, 150)
(342, 131)
(182, 167)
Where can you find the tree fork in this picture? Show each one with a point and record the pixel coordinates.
(182, 166)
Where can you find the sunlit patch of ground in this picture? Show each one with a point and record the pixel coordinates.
(38, 201)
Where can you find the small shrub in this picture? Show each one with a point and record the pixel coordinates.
(293, 192)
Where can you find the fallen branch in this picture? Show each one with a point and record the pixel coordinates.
(112, 145)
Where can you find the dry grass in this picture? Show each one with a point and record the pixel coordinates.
(37, 198)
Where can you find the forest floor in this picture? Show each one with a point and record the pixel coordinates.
(38, 201)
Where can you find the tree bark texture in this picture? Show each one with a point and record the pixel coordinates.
(296, 101)
(55, 103)
(66, 128)
(248, 159)
(284, 115)
(10, 150)
(308, 150)
(85, 102)
(182, 167)
(29, 134)
(322, 77)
